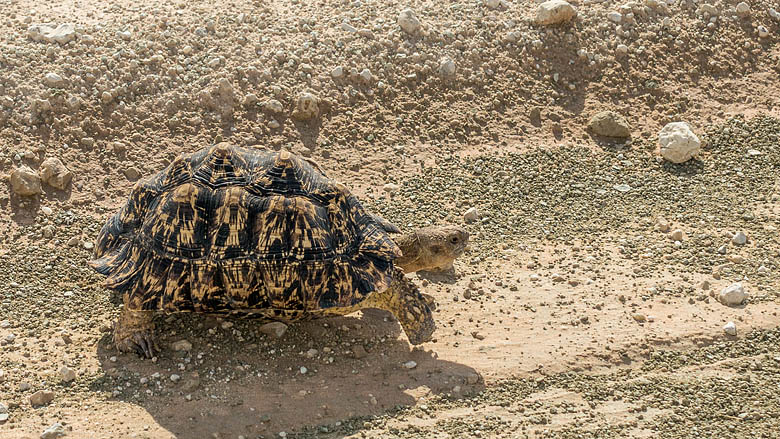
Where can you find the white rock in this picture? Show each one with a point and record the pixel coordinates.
(763, 32)
(304, 370)
(621, 49)
(366, 75)
(554, 12)
(67, 374)
(471, 215)
(53, 432)
(337, 72)
(62, 34)
(730, 328)
(25, 182)
(55, 174)
(408, 21)
(391, 188)
(447, 67)
(678, 143)
(348, 27)
(53, 80)
(175, 378)
(732, 295)
(273, 106)
(739, 238)
(743, 9)
(493, 4)
(615, 16)
(708, 9)
(410, 364)
(306, 107)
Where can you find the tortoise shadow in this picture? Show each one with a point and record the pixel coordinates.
(237, 381)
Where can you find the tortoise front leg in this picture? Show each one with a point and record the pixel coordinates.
(409, 306)
(134, 332)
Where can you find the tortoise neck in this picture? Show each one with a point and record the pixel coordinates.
(409, 243)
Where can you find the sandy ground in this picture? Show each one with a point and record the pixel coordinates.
(562, 333)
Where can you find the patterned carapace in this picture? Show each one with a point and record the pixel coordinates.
(230, 230)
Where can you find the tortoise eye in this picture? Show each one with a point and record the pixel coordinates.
(454, 240)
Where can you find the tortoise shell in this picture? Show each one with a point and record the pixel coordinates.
(228, 229)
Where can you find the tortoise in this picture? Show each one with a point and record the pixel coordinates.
(249, 233)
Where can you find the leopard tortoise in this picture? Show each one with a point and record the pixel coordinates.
(249, 233)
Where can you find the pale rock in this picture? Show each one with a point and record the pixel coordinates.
(55, 431)
(52, 79)
(763, 32)
(41, 397)
(62, 34)
(366, 75)
(408, 21)
(337, 72)
(410, 364)
(708, 9)
(181, 345)
(663, 225)
(609, 124)
(732, 295)
(55, 174)
(555, 12)
(615, 17)
(743, 9)
(391, 188)
(273, 106)
(678, 143)
(471, 215)
(274, 329)
(730, 328)
(739, 238)
(25, 182)
(447, 67)
(306, 106)
(67, 374)
(677, 235)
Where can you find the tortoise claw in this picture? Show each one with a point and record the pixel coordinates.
(141, 342)
(429, 300)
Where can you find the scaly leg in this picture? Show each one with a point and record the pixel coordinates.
(409, 306)
(134, 332)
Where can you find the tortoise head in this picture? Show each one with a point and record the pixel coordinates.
(432, 248)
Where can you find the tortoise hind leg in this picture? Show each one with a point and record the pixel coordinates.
(134, 332)
(409, 306)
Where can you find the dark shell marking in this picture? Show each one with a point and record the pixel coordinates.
(231, 230)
